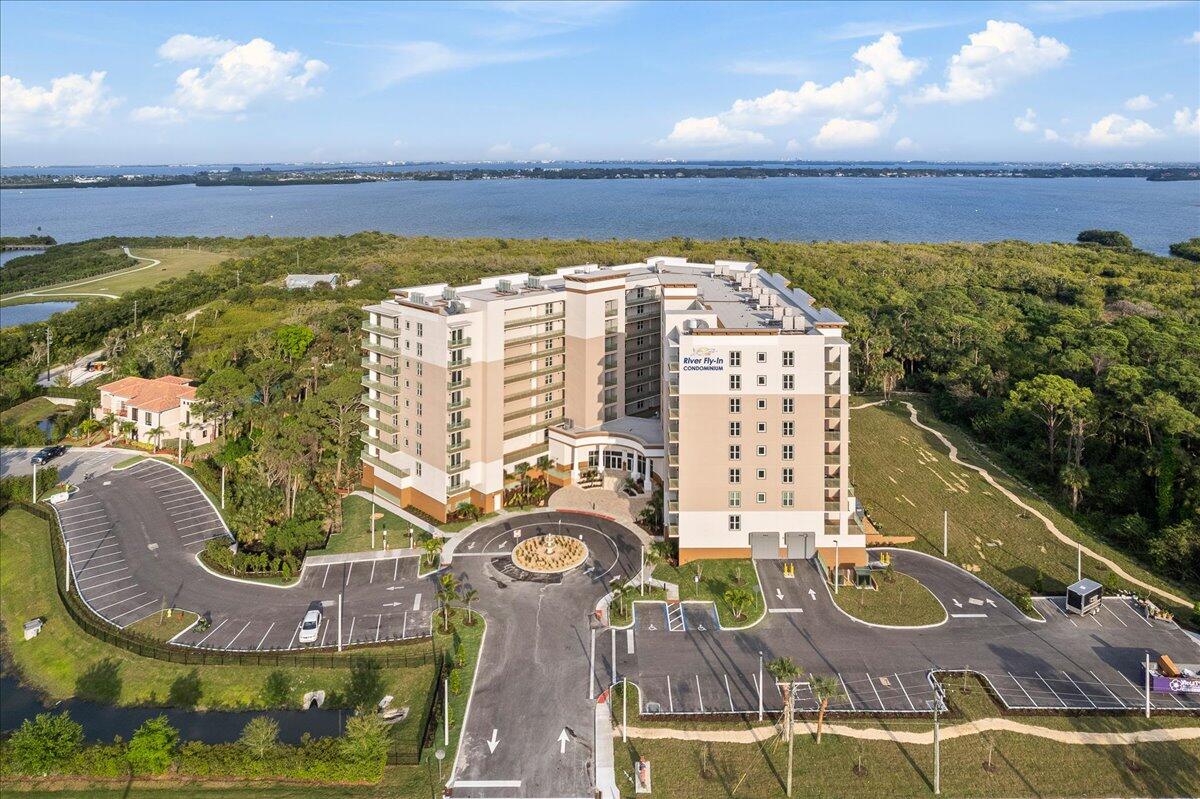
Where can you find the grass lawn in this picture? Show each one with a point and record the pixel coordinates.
(64, 661)
(356, 528)
(619, 617)
(130, 461)
(903, 602)
(716, 577)
(175, 263)
(905, 479)
(30, 412)
(160, 626)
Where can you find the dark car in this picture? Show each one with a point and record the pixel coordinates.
(47, 454)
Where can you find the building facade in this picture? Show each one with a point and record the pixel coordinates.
(160, 409)
(717, 382)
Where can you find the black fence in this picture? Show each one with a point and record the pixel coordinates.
(412, 655)
(413, 736)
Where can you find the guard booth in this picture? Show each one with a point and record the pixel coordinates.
(1085, 596)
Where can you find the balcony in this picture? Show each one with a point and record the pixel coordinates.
(535, 373)
(532, 409)
(673, 484)
(539, 448)
(532, 392)
(454, 385)
(381, 349)
(533, 355)
(833, 529)
(673, 387)
(382, 407)
(833, 459)
(634, 302)
(379, 424)
(513, 342)
(390, 332)
(461, 487)
(460, 446)
(673, 506)
(833, 386)
(386, 446)
(384, 466)
(632, 348)
(673, 412)
(833, 482)
(532, 428)
(458, 405)
(459, 363)
(833, 436)
(610, 379)
(459, 425)
(455, 468)
(833, 413)
(673, 365)
(458, 343)
(610, 344)
(673, 433)
(383, 388)
(381, 368)
(523, 321)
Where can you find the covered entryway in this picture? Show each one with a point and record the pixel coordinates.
(764, 546)
(800, 546)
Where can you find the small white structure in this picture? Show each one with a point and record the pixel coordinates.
(32, 628)
(310, 281)
(1085, 596)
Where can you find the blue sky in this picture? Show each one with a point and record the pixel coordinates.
(139, 83)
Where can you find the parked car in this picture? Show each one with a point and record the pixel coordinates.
(309, 627)
(47, 454)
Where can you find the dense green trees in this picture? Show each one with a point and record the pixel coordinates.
(1189, 249)
(1105, 238)
(62, 263)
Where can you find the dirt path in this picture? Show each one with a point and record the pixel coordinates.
(1049, 525)
(765, 733)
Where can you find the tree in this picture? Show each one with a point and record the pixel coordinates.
(824, 690)
(433, 548)
(447, 595)
(88, 426)
(366, 739)
(739, 600)
(109, 420)
(364, 687)
(1105, 238)
(260, 735)
(787, 672)
(128, 428)
(888, 373)
(1052, 399)
(153, 746)
(44, 743)
(277, 688)
(1075, 479)
(156, 434)
(467, 510)
(225, 392)
(293, 340)
(469, 595)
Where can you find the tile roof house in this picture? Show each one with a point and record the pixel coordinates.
(164, 402)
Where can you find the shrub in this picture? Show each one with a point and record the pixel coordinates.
(364, 688)
(1189, 249)
(45, 743)
(366, 739)
(153, 746)
(1105, 238)
(277, 689)
(260, 735)
(1025, 601)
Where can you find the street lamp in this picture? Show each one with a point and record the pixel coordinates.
(935, 705)
(440, 754)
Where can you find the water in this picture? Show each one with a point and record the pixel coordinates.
(13, 315)
(8, 255)
(851, 209)
(102, 722)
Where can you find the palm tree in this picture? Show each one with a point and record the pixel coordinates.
(469, 595)
(433, 548)
(824, 689)
(88, 426)
(787, 672)
(738, 599)
(156, 433)
(108, 421)
(466, 510)
(621, 594)
(127, 428)
(448, 595)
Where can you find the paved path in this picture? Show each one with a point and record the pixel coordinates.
(60, 291)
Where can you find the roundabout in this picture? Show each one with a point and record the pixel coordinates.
(549, 554)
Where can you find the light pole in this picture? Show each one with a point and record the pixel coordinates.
(410, 538)
(945, 533)
(222, 486)
(937, 749)
(1078, 562)
(340, 621)
(1147, 670)
(760, 685)
(642, 572)
(385, 536)
(624, 708)
(67, 576)
(837, 562)
(35, 471)
(446, 712)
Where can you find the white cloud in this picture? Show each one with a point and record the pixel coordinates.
(246, 74)
(1140, 103)
(531, 18)
(710, 132)
(186, 47)
(905, 145)
(545, 150)
(882, 65)
(71, 101)
(840, 133)
(1187, 121)
(501, 150)
(871, 28)
(414, 59)
(1115, 130)
(156, 115)
(1051, 135)
(1027, 122)
(997, 55)
(1194, 38)
(1081, 9)
(794, 146)
(786, 67)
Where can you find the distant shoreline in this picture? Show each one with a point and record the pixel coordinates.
(270, 177)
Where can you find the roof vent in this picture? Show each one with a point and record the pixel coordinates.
(456, 307)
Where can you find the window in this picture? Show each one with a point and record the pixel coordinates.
(760, 474)
(762, 427)
(735, 405)
(735, 358)
(761, 451)
(789, 382)
(735, 428)
(760, 497)
(789, 428)
(549, 308)
(548, 397)
(419, 428)
(762, 380)
(735, 522)
(548, 344)
(593, 459)
(789, 452)
(735, 452)
(789, 474)
(549, 362)
(735, 475)
(789, 405)
(610, 307)
(407, 325)
(420, 350)
(418, 448)
(548, 327)
(735, 382)
(789, 358)
(418, 468)
(788, 499)
(761, 357)
(420, 329)
(762, 404)
(147, 417)
(420, 368)
(419, 408)
(735, 499)
(549, 415)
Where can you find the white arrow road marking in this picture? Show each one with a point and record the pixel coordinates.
(392, 604)
(957, 604)
(778, 594)
(471, 545)
(562, 741)
(990, 602)
(812, 594)
(395, 588)
(493, 743)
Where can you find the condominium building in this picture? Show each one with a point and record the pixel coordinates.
(718, 383)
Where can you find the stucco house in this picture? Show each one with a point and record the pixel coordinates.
(164, 402)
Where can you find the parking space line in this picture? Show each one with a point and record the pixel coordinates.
(1093, 617)
(101, 574)
(102, 533)
(404, 627)
(371, 581)
(101, 585)
(729, 693)
(905, 690)
(99, 565)
(1120, 701)
(264, 638)
(1080, 690)
(395, 569)
(210, 632)
(699, 694)
(229, 643)
(175, 504)
(873, 688)
(121, 602)
(349, 571)
(324, 631)
(76, 528)
(1051, 690)
(670, 699)
(326, 577)
(1018, 684)
(116, 591)
(1142, 618)
(211, 532)
(350, 637)
(135, 610)
(417, 602)
(293, 641)
(97, 549)
(846, 691)
(629, 641)
(196, 523)
(378, 624)
(1114, 615)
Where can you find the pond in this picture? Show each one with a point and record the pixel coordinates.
(12, 315)
(102, 722)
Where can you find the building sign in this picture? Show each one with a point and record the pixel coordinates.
(703, 359)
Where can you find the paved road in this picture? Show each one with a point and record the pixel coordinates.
(72, 465)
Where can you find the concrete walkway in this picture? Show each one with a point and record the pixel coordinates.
(765, 733)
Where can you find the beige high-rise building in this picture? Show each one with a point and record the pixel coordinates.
(716, 382)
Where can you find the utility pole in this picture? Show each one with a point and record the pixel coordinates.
(222, 486)
(1147, 670)
(837, 561)
(35, 471)
(446, 712)
(642, 572)
(1078, 562)
(945, 533)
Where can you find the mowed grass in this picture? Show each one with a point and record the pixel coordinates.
(175, 263)
(31, 412)
(355, 535)
(903, 602)
(905, 479)
(64, 661)
(716, 577)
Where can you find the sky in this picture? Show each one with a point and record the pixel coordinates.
(190, 83)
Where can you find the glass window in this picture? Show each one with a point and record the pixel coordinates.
(762, 404)
(789, 358)
(789, 382)
(735, 499)
(735, 452)
(789, 451)
(762, 427)
(735, 522)
(788, 499)
(789, 474)
(789, 405)
(735, 382)
(761, 357)
(735, 475)
(762, 451)
(735, 428)
(735, 405)
(735, 358)
(760, 497)
(789, 428)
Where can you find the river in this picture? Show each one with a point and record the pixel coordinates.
(1154, 214)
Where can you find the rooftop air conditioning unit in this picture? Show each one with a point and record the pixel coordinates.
(533, 282)
(456, 306)
(504, 286)
(449, 294)
(416, 297)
